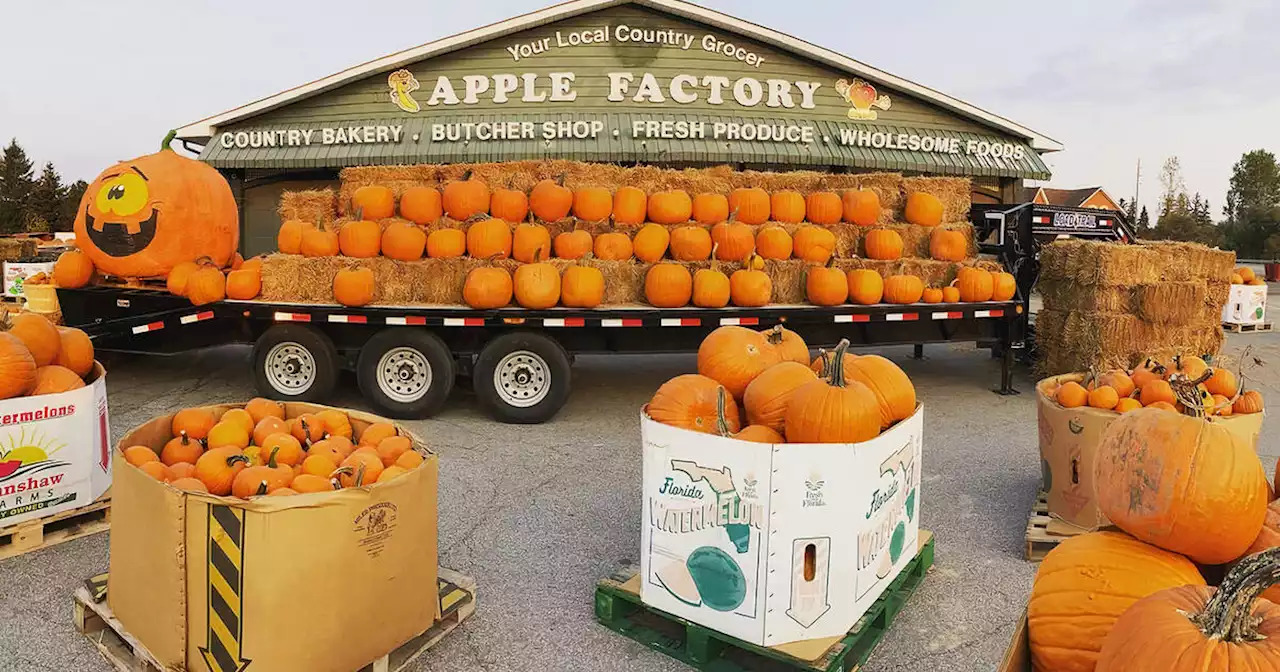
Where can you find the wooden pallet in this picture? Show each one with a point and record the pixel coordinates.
(1246, 328)
(95, 620)
(33, 535)
(1045, 532)
(618, 607)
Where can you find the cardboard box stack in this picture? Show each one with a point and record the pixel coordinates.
(1111, 305)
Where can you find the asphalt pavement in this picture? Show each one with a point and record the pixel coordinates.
(538, 513)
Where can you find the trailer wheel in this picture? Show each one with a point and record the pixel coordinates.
(406, 373)
(522, 378)
(294, 362)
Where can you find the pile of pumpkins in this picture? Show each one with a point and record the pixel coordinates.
(201, 281)
(38, 358)
(762, 386)
(1243, 275)
(1191, 501)
(257, 451)
(1151, 385)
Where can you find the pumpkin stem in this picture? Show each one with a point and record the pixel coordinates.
(164, 144)
(722, 423)
(262, 488)
(271, 461)
(733, 216)
(835, 370)
(826, 362)
(306, 433)
(560, 179)
(1228, 615)
(466, 175)
(360, 475)
(237, 458)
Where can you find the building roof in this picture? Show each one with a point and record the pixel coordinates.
(1071, 198)
(204, 129)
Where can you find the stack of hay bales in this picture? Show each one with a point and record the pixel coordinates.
(14, 249)
(440, 281)
(1112, 305)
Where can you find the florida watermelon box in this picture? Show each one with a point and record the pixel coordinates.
(774, 544)
(53, 451)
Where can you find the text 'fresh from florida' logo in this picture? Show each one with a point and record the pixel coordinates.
(26, 462)
(862, 96)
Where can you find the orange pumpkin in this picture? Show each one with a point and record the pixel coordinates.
(286, 448)
(176, 283)
(320, 243)
(54, 379)
(690, 402)
(75, 352)
(391, 448)
(866, 287)
(336, 423)
(194, 422)
(861, 207)
(613, 247)
(73, 270)
(903, 289)
(217, 468)
(833, 408)
(814, 244)
(750, 204)
(710, 209)
(592, 204)
(537, 285)
(581, 286)
(975, 285)
(931, 295)
(240, 417)
(670, 207)
(690, 243)
(947, 245)
(1246, 274)
(883, 244)
(421, 205)
(259, 409)
(1003, 286)
(509, 205)
(923, 209)
(630, 206)
(823, 207)
(531, 241)
(826, 286)
(734, 356)
(353, 286)
(1249, 402)
(206, 285)
(773, 242)
(733, 241)
(790, 347)
(786, 207)
(711, 288)
(550, 200)
(289, 238)
(373, 201)
(768, 394)
(487, 287)
(668, 285)
(1155, 391)
(446, 243)
(1104, 397)
(141, 217)
(375, 433)
(140, 455)
(651, 242)
(403, 241)
(1190, 366)
(410, 460)
(1119, 381)
(244, 284)
(465, 197)
(749, 287)
(360, 468)
(489, 237)
(950, 294)
(572, 244)
(181, 449)
(1221, 382)
(228, 434)
(38, 335)
(895, 394)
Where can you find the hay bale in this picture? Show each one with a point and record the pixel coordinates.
(788, 278)
(1098, 263)
(848, 237)
(1059, 294)
(311, 206)
(954, 192)
(1191, 261)
(13, 249)
(1173, 303)
(888, 188)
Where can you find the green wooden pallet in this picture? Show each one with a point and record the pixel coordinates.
(618, 608)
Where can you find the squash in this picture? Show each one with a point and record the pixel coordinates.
(266, 427)
(537, 285)
(931, 295)
(711, 287)
(691, 243)
(668, 285)
(1155, 391)
(950, 295)
(1194, 628)
(1189, 366)
(670, 207)
(1249, 402)
(353, 286)
(391, 448)
(1119, 381)
(286, 448)
(193, 422)
(1083, 586)
(750, 204)
(38, 334)
(613, 246)
(488, 238)
(410, 460)
(54, 379)
(1181, 483)
(690, 401)
(832, 409)
(630, 206)
(1003, 286)
(768, 394)
(218, 468)
(786, 207)
(487, 287)
(1127, 404)
(866, 287)
(749, 287)
(465, 197)
(825, 285)
(189, 484)
(244, 284)
(861, 207)
(75, 351)
(1222, 382)
(1104, 397)
(903, 289)
(791, 347)
(228, 434)
(259, 408)
(592, 204)
(733, 356)
(73, 270)
(947, 245)
(550, 200)
(530, 242)
(883, 244)
(923, 209)
(581, 286)
(240, 417)
(651, 242)
(573, 244)
(446, 243)
(421, 205)
(307, 429)
(814, 244)
(375, 433)
(320, 243)
(894, 393)
(360, 238)
(1071, 395)
(1246, 274)
(335, 423)
(403, 241)
(773, 242)
(710, 209)
(288, 239)
(140, 455)
(823, 208)
(509, 205)
(373, 201)
(733, 241)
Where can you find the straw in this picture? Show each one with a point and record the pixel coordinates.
(310, 206)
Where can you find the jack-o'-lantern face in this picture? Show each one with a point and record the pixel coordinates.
(141, 217)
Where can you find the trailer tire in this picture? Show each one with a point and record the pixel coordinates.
(406, 373)
(295, 362)
(522, 378)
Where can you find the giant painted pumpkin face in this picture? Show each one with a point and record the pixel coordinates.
(141, 217)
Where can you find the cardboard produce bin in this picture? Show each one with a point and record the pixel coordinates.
(1246, 304)
(1069, 439)
(16, 273)
(314, 582)
(1017, 658)
(54, 451)
(774, 544)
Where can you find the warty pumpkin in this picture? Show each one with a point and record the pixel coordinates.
(786, 207)
(592, 204)
(446, 243)
(813, 244)
(1083, 586)
(691, 243)
(861, 207)
(903, 289)
(734, 356)
(947, 245)
(530, 241)
(866, 287)
(751, 205)
(487, 287)
(651, 242)
(244, 284)
(749, 287)
(509, 205)
(489, 237)
(823, 208)
(289, 238)
(54, 379)
(37, 334)
(773, 242)
(1182, 483)
(573, 244)
(826, 285)
(767, 396)
(404, 241)
(613, 246)
(1198, 628)
(353, 286)
(206, 285)
(668, 285)
(832, 409)
(690, 402)
(1249, 402)
(670, 207)
(373, 201)
(581, 286)
(733, 241)
(883, 244)
(194, 422)
(73, 270)
(790, 346)
(630, 206)
(923, 209)
(320, 243)
(217, 468)
(421, 205)
(537, 285)
(975, 284)
(709, 209)
(550, 200)
(75, 352)
(465, 197)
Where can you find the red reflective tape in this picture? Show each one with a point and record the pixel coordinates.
(292, 317)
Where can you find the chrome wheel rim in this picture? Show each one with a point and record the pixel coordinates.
(404, 375)
(522, 379)
(290, 368)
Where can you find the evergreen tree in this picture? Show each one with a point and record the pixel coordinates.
(47, 193)
(15, 187)
(71, 205)
(1252, 209)
(1130, 210)
(1144, 221)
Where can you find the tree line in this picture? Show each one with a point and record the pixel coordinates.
(31, 204)
(1250, 222)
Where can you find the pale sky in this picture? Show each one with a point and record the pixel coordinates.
(86, 84)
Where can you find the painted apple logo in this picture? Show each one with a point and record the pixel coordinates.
(862, 96)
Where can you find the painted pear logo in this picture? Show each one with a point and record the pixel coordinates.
(863, 99)
(403, 84)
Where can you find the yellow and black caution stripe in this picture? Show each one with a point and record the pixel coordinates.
(451, 597)
(226, 585)
(97, 585)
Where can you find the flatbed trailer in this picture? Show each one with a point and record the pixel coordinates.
(407, 358)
